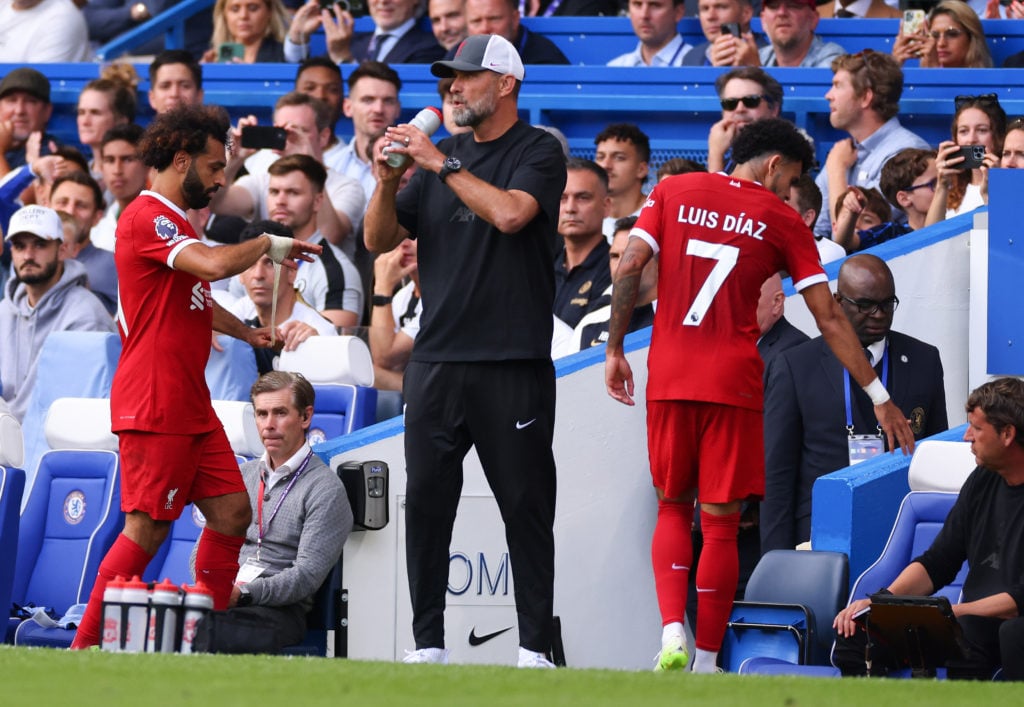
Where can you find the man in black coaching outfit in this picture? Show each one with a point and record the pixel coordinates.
(483, 205)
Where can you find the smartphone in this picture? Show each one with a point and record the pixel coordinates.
(1005, 3)
(264, 137)
(732, 28)
(227, 52)
(974, 157)
(356, 8)
(913, 21)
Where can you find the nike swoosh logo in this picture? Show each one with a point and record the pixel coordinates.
(679, 567)
(475, 640)
(524, 425)
(701, 591)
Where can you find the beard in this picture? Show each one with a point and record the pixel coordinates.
(197, 195)
(44, 275)
(471, 115)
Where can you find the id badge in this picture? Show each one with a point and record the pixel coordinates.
(249, 571)
(864, 447)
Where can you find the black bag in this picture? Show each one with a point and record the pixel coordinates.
(235, 632)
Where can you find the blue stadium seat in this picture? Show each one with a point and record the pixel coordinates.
(71, 364)
(341, 409)
(787, 609)
(71, 519)
(172, 559)
(919, 520)
(12, 484)
(230, 373)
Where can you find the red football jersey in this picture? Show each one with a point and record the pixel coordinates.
(165, 317)
(718, 239)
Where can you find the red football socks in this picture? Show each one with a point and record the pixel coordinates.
(671, 556)
(124, 559)
(717, 574)
(217, 564)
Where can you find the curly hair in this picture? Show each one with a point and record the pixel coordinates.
(900, 171)
(186, 128)
(876, 71)
(772, 136)
(627, 132)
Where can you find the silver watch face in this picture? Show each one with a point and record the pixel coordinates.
(452, 164)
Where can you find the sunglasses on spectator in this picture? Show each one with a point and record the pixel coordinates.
(949, 33)
(985, 99)
(927, 185)
(870, 306)
(748, 101)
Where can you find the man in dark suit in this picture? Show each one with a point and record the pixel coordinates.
(777, 334)
(396, 38)
(810, 427)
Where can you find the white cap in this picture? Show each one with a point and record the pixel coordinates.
(481, 52)
(40, 221)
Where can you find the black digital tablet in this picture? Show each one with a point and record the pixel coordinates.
(921, 632)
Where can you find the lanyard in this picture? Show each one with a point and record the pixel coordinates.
(259, 502)
(846, 389)
(672, 61)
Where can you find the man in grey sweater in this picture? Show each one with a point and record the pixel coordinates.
(300, 514)
(47, 293)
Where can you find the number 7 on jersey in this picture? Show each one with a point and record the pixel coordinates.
(725, 257)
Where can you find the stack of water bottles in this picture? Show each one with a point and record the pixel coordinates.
(152, 618)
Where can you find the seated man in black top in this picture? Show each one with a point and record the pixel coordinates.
(581, 268)
(501, 17)
(986, 528)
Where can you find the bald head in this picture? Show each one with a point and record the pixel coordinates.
(867, 293)
(771, 304)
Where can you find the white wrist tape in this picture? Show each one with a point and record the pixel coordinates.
(280, 247)
(877, 392)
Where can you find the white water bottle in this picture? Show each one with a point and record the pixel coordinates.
(428, 120)
(113, 615)
(164, 606)
(198, 603)
(135, 597)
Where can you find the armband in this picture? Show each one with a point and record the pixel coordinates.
(280, 247)
(877, 392)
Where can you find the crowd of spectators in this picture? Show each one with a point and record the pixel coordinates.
(879, 182)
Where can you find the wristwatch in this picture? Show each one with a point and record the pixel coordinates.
(451, 164)
(381, 300)
(244, 597)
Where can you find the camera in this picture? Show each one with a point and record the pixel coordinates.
(974, 157)
(356, 8)
(264, 137)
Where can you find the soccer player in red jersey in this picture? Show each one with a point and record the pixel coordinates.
(173, 447)
(718, 237)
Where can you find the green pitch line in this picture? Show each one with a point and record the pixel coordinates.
(40, 677)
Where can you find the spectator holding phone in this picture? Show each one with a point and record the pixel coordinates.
(726, 28)
(248, 32)
(979, 125)
(952, 38)
(396, 38)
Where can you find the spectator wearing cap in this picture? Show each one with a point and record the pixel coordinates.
(42, 32)
(46, 294)
(25, 108)
(790, 26)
